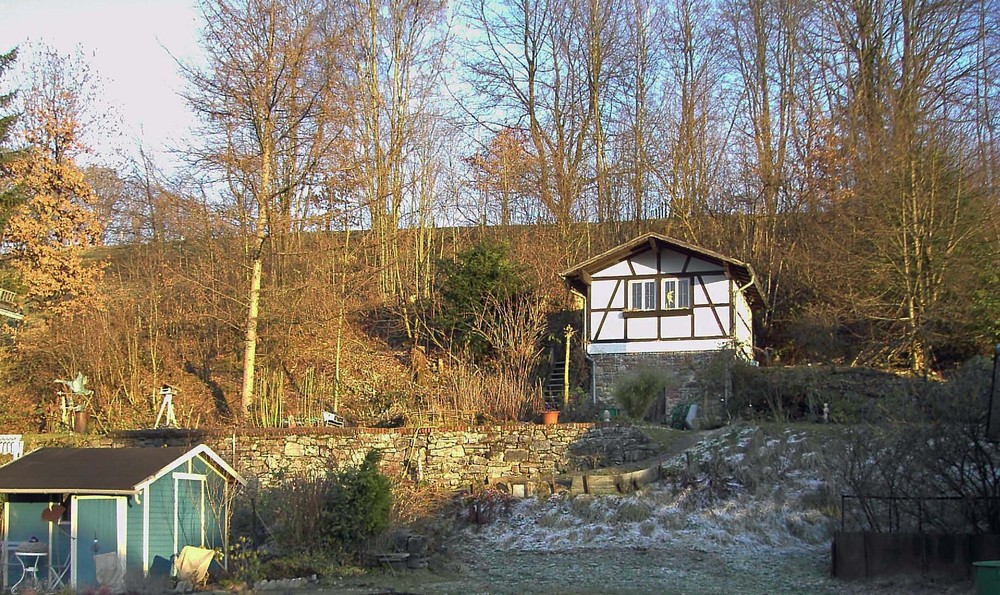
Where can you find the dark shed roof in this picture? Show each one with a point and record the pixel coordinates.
(578, 277)
(94, 470)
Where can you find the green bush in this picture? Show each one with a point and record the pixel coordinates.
(636, 391)
(331, 514)
(357, 507)
(582, 407)
(477, 284)
(244, 561)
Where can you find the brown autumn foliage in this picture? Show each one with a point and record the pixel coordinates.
(49, 234)
(855, 167)
(172, 315)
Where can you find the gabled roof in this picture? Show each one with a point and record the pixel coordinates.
(578, 277)
(113, 471)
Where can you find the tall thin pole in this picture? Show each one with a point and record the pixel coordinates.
(568, 331)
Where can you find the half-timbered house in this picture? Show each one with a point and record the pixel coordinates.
(656, 301)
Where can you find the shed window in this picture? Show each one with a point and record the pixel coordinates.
(642, 295)
(676, 294)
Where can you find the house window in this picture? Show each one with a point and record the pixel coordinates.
(676, 294)
(642, 295)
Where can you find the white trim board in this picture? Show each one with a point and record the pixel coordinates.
(682, 346)
(201, 449)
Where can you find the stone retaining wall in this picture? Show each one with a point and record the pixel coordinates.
(450, 457)
(689, 381)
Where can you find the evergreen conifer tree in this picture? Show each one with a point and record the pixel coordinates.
(9, 197)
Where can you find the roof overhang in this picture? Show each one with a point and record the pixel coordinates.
(578, 278)
(70, 491)
(203, 450)
(116, 484)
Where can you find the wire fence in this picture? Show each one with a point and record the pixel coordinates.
(920, 514)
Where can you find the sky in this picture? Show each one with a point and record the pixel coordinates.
(132, 47)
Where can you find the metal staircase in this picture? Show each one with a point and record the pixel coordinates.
(553, 389)
(9, 307)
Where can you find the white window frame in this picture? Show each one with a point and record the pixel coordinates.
(648, 295)
(680, 289)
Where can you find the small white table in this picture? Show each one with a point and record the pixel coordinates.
(30, 563)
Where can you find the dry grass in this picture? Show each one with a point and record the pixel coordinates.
(557, 520)
(587, 509)
(415, 504)
(632, 511)
(500, 395)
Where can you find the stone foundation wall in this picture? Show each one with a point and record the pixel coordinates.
(450, 457)
(696, 376)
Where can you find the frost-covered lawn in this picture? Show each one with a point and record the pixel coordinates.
(745, 510)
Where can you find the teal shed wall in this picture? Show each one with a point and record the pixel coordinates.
(216, 504)
(97, 532)
(24, 522)
(133, 537)
(201, 510)
(161, 518)
(161, 510)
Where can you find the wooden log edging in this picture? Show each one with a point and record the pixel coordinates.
(596, 483)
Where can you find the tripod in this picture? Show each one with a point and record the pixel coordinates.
(166, 408)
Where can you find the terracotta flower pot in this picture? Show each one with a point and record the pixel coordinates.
(550, 418)
(80, 421)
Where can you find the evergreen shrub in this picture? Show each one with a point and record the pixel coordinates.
(637, 390)
(357, 506)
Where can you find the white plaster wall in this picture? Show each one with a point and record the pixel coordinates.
(743, 333)
(641, 328)
(716, 287)
(645, 263)
(698, 265)
(705, 324)
(671, 262)
(614, 325)
(675, 327)
(616, 270)
(601, 292)
(660, 346)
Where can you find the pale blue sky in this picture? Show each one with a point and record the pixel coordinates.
(128, 44)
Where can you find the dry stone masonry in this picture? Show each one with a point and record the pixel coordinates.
(691, 373)
(448, 457)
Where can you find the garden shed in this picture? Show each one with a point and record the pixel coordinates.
(144, 504)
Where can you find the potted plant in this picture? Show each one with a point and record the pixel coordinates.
(550, 415)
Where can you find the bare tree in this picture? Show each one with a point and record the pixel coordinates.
(910, 215)
(638, 144)
(693, 44)
(767, 54)
(397, 46)
(529, 60)
(263, 97)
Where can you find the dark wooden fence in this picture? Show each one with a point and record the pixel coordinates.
(866, 554)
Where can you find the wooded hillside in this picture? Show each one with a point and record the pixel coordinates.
(383, 193)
